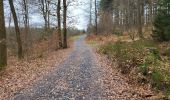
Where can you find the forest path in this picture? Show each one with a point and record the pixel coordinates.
(79, 77)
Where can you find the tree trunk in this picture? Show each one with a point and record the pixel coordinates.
(64, 24)
(140, 18)
(19, 42)
(48, 14)
(3, 48)
(43, 6)
(90, 18)
(96, 17)
(26, 24)
(59, 24)
(26, 18)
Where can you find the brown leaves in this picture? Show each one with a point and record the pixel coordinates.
(20, 74)
(118, 84)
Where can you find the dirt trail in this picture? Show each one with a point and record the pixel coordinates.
(79, 77)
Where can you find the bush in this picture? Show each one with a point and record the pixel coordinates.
(125, 55)
(107, 49)
(141, 60)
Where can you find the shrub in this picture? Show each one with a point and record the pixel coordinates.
(126, 56)
(143, 68)
(141, 60)
(107, 49)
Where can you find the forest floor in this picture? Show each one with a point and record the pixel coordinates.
(82, 75)
(22, 73)
(121, 52)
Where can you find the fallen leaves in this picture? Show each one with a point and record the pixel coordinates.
(119, 83)
(20, 74)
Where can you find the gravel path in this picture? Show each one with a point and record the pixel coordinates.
(79, 77)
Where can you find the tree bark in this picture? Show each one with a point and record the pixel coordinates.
(59, 24)
(96, 17)
(43, 8)
(3, 47)
(19, 42)
(64, 23)
(48, 14)
(90, 18)
(140, 18)
(26, 24)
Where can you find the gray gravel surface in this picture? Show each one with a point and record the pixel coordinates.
(79, 77)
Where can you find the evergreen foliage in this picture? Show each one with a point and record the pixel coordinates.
(106, 5)
(162, 21)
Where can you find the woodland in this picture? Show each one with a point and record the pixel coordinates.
(134, 35)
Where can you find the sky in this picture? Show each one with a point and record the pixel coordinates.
(77, 13)
(81, 13)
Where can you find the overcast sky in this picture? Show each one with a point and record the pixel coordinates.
(81, 14)
(77, 15)
(77, 12)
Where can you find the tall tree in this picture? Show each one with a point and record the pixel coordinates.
(44, 9)
(64, 23)
(26, 16)
(140, 33)
(48, 13)
(89, 29)
(19, 42)
(106, 16)
(95, 17)
(44, 13)
(25, 12)
(59, 24)
(90, 16)
(3, 48)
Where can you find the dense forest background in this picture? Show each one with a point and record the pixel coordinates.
(138, 18)
(135, 34)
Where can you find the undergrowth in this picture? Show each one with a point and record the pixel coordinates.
(142, 61)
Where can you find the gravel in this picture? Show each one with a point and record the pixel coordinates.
(82, 76)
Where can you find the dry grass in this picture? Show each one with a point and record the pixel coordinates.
(108, 43)
(112, 38)
(102, 39)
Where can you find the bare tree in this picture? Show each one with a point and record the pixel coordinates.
(90, 25)
(19, 42)
(95, 17)
(44, 8)
(26, 16)
(48, 13)
(90, 16)
(64, 23)
(140, 18)
(25, 6)
(59, 24)
(3, 48)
